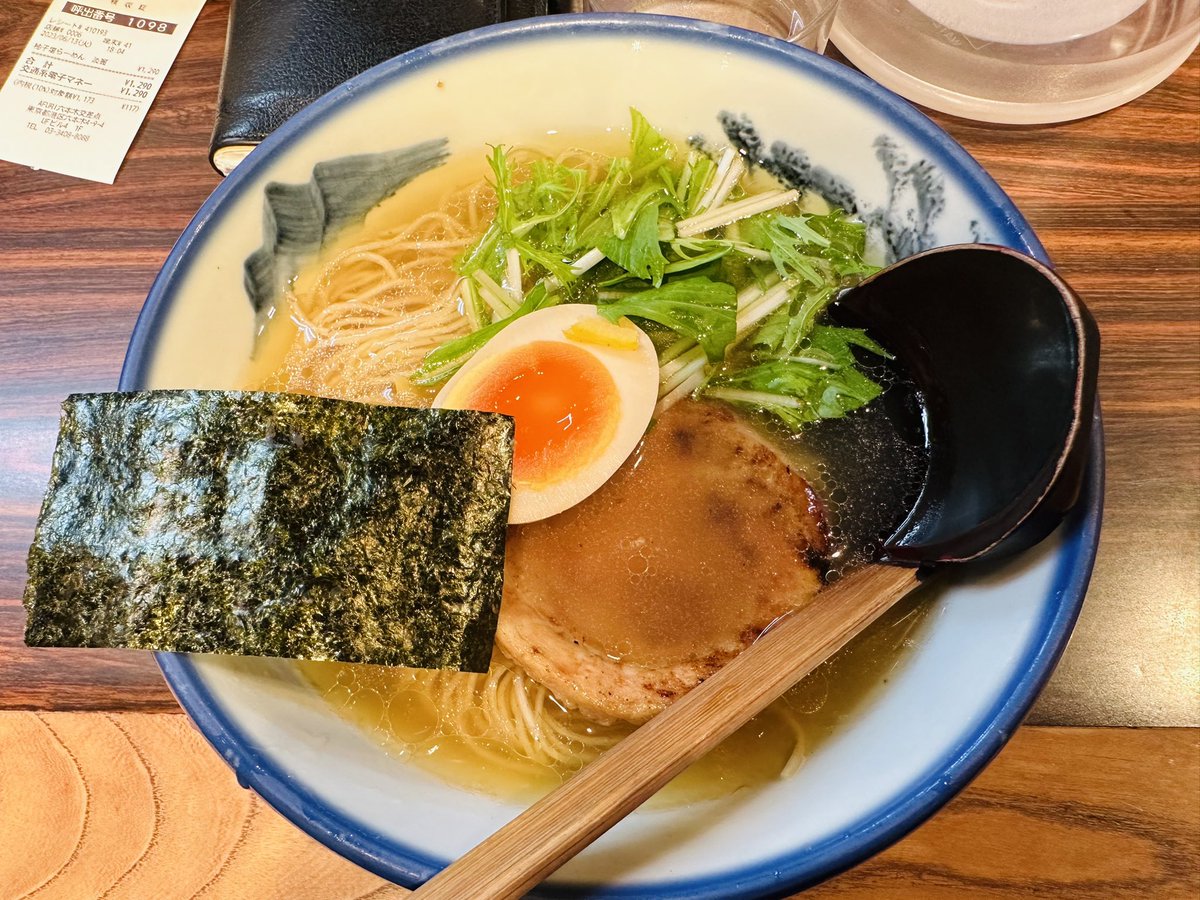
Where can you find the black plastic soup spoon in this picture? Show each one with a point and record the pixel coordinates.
(1005, 356)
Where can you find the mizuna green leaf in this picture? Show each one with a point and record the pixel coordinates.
(697, 308)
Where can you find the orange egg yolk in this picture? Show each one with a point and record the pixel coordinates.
(562, 398)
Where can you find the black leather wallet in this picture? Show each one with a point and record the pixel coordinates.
(280, 55)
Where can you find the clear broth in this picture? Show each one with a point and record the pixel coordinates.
(384, 703)
(865, 468)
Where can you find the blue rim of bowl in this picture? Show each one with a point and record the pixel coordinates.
(910, 806)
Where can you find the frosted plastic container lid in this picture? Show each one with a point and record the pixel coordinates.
(1018, 61)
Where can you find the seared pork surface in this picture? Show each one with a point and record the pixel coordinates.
(636, 595)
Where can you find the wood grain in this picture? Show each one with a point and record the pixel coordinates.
(76, 262)
(1116, 201)
(129, 805)
(1115, 198)
(136, 806)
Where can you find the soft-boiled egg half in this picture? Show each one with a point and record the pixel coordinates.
(581, 391)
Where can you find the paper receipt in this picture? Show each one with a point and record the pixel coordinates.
(82, 86)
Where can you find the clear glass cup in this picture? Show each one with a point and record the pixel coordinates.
(1018, 61)
(805, 23)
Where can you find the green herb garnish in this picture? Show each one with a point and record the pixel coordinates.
(704, 311)
(821, 381)
(733, 282)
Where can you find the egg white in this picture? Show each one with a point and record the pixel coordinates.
(634, 373)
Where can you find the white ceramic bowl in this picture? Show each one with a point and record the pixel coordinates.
(989, 645)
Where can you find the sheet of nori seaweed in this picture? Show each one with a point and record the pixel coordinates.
(273, 525)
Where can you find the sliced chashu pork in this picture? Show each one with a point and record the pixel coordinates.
(634, 596)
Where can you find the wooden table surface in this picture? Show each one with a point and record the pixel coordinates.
(106, 791)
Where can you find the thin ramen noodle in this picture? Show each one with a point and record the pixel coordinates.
(355, 325)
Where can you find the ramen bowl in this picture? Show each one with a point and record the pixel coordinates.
(990, 640)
